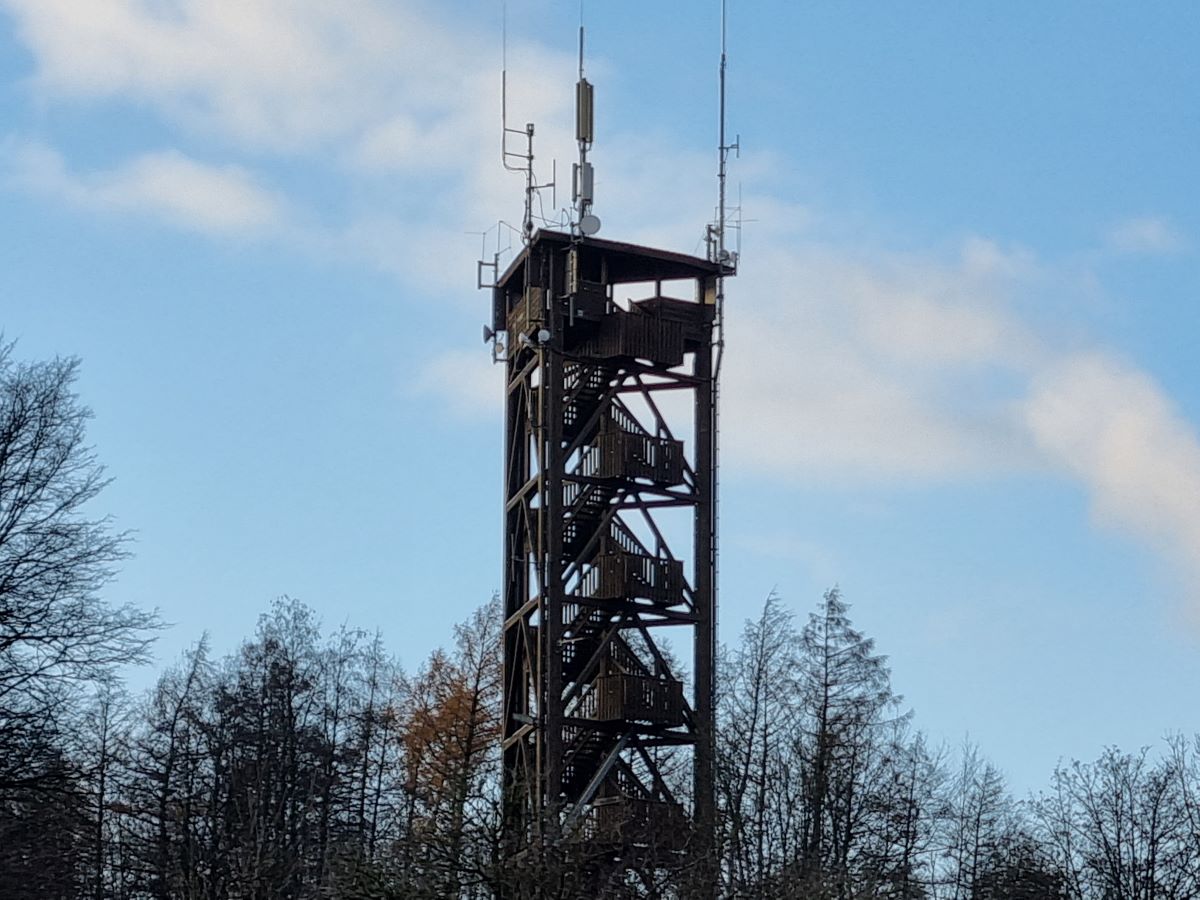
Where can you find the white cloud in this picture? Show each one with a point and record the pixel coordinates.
(166, 185)
(467, 381)
(277, 73)
(1111, 427)
(1146, 235)
(852, 366)
(384, 85)
(405, 105)
(868, 365)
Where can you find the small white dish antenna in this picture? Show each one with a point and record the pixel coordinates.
(589, 225)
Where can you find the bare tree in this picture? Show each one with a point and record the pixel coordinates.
(55, 630)
(758, 783)
(101, 745)
(1019, 869)
(1185, 766)
(823, 790)
(57, 634)
(845, 689)
(169, 822)
(979, 819)
(1120, 827)
(902, 813)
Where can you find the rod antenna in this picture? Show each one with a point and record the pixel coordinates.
(724, 154)
(519, 160)
(717, 248)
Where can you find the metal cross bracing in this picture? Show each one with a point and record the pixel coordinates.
(607, 761)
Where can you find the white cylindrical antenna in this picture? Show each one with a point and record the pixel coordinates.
(585, 116)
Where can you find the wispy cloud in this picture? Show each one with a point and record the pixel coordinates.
(381, 85)
(1146, 235)
(467, 383)
(1113, 428)
(389, 100)
(848, 365)
(910, 368)
(166, 185)
(278, 73)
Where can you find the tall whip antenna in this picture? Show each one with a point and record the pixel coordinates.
(518, 160)
(717, 250)
(724, 151)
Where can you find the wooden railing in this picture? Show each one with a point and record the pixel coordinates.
(637, 336)
(634, 698)
(629, 576)
(626, 455)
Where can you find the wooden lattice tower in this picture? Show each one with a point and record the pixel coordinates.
(609, 542)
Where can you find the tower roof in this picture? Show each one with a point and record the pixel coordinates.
(624, 262)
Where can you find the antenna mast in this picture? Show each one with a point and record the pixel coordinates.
(585, 132)
(524, 158)
(724, 150)
(717, 250)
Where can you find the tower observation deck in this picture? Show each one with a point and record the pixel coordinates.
(609, 548)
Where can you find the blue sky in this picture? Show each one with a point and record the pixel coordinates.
(960, 379)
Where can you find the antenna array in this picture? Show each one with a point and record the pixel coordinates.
(519, 160)
(583, 182)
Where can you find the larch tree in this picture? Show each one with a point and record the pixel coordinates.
(450, 742)
(757, 781)
(845, 691)
(978, 823)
